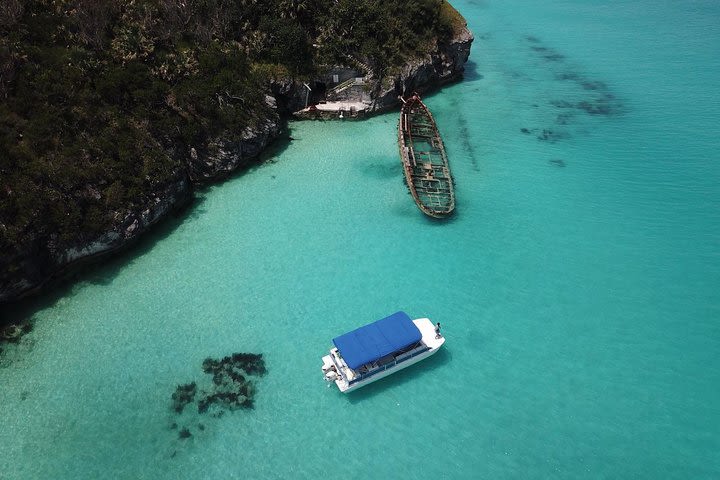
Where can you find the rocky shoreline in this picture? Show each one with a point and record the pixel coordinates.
(42, 261)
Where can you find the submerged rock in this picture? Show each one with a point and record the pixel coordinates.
(593, 85)
(14, 332)
(563, 118)
(562, 104)
(548, 135)
(601, 106)
(231, 387)
(183, 395)
(554, 57)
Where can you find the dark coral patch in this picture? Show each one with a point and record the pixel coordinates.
(231, 387)
(183, 395)
(562, 104)
(598, 107)
(14, 332)
(592, 85)
(554, 57)
(548, 135)
(582, 94)
(563, 118)
(252, 363)
(568, 76)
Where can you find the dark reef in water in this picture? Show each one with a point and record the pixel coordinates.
(562, 104)
(231, 386)
(183, 395)
(563, 118)
(548, 135)
(603, 105)
(587, 96)
(14, 332)
(554, 57)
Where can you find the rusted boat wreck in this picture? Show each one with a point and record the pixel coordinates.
(424, 159)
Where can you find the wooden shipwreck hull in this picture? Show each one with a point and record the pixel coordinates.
(424, 160)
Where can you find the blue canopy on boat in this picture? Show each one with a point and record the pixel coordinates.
(380, 338)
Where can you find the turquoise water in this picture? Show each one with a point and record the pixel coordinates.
(578, 285)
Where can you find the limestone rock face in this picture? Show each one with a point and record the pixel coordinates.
(446, 64)
(290, 95)
(43, 259)
(228, 151)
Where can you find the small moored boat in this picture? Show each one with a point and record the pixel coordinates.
(424, 160)
(378, 349)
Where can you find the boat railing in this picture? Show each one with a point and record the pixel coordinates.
(387, 366)
(339, 368)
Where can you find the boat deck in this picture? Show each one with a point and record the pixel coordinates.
(349, 379)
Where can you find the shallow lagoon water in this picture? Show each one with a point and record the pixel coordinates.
(577, 285)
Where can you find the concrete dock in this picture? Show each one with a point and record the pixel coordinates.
(334, 110)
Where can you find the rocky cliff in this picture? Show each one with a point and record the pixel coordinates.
(46, 258)
(27, 270)
(444, 65)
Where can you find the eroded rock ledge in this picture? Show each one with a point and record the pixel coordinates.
(27, 271)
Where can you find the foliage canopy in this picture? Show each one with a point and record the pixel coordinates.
(102, 100)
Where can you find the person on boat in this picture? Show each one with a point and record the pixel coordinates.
(437, 330)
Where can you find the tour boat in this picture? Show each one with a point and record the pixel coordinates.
(378, 349)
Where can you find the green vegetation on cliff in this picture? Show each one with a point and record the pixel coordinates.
(101, 101)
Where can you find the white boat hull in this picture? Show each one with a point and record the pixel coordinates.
(347, 380)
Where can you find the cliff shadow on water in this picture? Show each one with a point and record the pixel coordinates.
(17, 317)
(97, 271)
